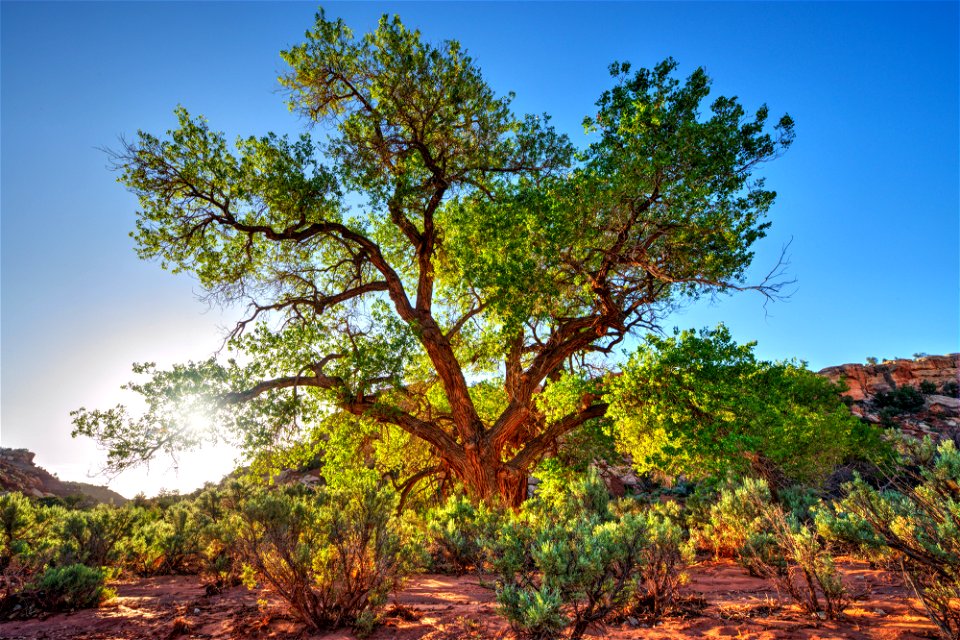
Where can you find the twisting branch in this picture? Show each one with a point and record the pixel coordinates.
(539, 445)
(459, 324)
(407, 485)
(318, 304)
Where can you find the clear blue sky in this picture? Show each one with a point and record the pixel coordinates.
(869, 192)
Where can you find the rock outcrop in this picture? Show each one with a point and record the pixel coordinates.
(935, 379)
(19, 473)
(866, 380)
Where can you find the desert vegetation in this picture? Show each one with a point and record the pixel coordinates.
(570, 560)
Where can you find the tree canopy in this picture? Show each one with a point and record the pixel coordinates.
(437, 264)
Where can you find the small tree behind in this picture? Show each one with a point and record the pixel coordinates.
(701, 405)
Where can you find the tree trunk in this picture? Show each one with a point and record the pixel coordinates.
(487, 479)
(513, 487)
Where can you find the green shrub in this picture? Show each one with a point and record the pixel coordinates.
(458, 531)
(772, 543)
(140, 551)
(568, 561)
(93, 537)
(566, 572)
(333, 556)
(219, 563)
(537, 614)
(26, 543)
(927, 388)
(799, 501)
(920, 524)
(798, 561)
(74, 586)
(180, 542)
(951, 388)
(850, 533)
(17, 527)
(898, 400)
(664, 556)
(164, 543)
(733, 518)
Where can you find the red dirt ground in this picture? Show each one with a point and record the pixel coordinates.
(439, 607)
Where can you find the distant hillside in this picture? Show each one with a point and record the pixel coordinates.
(19, 473)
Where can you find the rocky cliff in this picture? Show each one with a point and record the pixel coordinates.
(920, 396)
(19, 473)
(865, 380)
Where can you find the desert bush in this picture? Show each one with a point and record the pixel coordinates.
(26, 542)
(458, 531)
(664, 555)
(537, 614)
(568, 561)
(927, 388)
(920, 523)
(850, 533)
(771, 541)
(16, 526)
(333, 555)
(74, 586)
(139, 552)
(736, 515)
(93, 538)
(799, 501)
(951, 388)
(568, 573)
(163, 542)
(798, 561)
(180, 541)
(218, 556)
(905, 399)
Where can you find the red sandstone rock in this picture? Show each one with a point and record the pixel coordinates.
(940, 414)
(867, 379)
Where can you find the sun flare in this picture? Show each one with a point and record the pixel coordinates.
(212, 452)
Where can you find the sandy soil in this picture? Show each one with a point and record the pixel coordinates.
(725, 602)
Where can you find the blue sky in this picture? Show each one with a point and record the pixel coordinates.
(869, 193)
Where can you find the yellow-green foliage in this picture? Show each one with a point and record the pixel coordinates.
(459, 533)
(698, 404)
(93, 537)
(72, 586)
(798, 560)
(164, 542)
(219, 565)
(26, 544)
(51, 558)
(735, 516)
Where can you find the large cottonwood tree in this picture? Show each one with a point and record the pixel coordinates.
(437, 263)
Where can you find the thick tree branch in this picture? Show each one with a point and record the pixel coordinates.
(407, 485)
(538, 446)
(363, 406)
